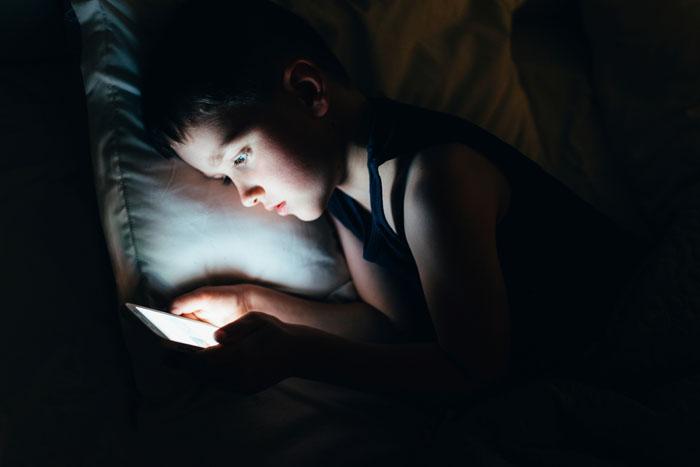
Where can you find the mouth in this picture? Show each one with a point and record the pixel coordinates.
(281, 208)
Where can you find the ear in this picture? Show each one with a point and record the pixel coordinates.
(307, 82)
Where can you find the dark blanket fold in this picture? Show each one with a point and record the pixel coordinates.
(65, 386)
(569, 423)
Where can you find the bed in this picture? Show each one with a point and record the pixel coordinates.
(589, 90)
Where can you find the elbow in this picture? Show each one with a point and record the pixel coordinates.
(378, 328)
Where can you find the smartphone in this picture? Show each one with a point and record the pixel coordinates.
(184, 333)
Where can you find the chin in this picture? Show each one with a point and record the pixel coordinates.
(308, 215)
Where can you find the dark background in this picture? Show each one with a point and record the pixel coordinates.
(66, 395)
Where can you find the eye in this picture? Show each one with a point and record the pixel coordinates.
(241, 158)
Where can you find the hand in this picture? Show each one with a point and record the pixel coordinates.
(254, 353)
(215, 305)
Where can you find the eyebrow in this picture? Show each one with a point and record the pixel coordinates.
(216, 157)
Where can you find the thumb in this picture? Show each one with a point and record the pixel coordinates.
(241, 328)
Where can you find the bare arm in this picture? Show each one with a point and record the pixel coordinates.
(376, 317)
(456, 199)
(355, 321)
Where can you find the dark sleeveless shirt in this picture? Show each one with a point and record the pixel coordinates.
(562, 261)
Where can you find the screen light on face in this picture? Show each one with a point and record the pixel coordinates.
(182, 330)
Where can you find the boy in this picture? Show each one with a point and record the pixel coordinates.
(473, 262)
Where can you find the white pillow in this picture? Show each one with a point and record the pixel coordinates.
(169, 229)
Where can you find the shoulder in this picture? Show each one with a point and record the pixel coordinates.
(453, 179)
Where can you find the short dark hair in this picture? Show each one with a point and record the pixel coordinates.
(217, 60)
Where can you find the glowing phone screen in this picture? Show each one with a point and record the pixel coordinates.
(179, 329)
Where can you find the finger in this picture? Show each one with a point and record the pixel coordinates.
(242, 327)
(189, 303)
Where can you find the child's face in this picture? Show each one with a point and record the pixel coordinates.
(286, 157)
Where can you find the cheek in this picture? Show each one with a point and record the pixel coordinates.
(306, 193)
(295, 174)
(299, 171)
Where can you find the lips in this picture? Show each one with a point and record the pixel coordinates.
(281, 208)
(277, 207)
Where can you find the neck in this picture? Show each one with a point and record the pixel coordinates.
(355, 127)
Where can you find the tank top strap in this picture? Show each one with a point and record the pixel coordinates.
(379, 151)
(398, 194)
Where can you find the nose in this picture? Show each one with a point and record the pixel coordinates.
(252, 196)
